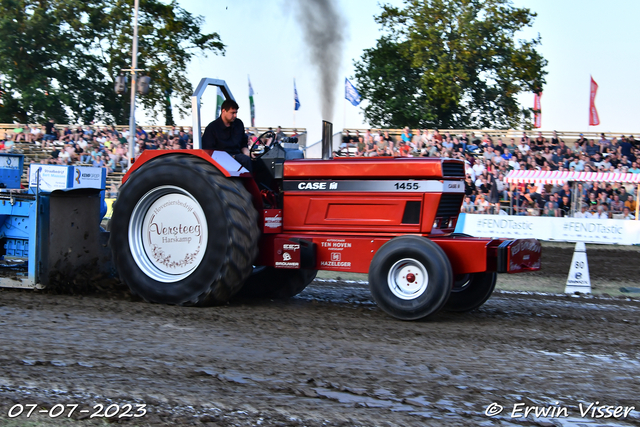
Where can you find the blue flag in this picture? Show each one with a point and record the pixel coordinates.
(351, 93)
(296, 100)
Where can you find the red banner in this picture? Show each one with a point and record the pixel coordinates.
(537, 110)
(594, 120)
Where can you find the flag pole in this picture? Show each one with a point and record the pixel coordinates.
(344, 113)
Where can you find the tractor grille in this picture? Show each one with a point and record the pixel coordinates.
(453, 169)
(449, 205)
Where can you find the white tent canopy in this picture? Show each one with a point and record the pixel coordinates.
(558, 178)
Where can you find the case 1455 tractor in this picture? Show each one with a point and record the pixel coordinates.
(194, 227)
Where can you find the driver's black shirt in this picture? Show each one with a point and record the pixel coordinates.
(231, 139)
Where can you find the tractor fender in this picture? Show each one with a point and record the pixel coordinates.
(220, 159)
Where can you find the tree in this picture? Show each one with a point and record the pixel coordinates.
(450, 64)
(60, 58)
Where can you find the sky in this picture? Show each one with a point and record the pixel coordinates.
(263, 38)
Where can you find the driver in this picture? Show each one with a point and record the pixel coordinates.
(226, 133)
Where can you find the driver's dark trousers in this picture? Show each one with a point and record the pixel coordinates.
(244, 160)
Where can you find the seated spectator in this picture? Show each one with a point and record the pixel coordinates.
(481, 204)
(540, 142)
(584, 212)
(524, 148)
(617, 205)
(467, 205)
(630, 203)
(549, 210)
(565, 206)
(626, 213)
(530, 204)
(591, 148)
(361, 147)
(602, 213)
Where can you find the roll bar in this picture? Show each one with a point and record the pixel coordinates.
(195, 106)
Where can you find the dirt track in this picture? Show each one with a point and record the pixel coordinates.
(328, 357)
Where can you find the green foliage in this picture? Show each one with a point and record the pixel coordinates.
(60, 58)
(450, 64)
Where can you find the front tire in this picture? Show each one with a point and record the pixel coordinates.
(410, 277)
(183, 233)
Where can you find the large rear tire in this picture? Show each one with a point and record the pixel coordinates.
(276, 283)
(183, 233)
(470, 291)
(410, 277)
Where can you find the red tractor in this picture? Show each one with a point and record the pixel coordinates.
(193, 227)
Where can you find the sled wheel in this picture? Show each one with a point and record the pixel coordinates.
(276, 283)
(470, 291)
(410, 277)
(183, 233)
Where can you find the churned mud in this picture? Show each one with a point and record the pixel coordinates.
(328, 357)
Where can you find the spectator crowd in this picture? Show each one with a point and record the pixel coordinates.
(93, 145)
(489, 160)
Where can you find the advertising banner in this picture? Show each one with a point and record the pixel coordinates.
(605, 231)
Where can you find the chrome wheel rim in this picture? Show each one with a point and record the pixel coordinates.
(168, 234)
(408, 279)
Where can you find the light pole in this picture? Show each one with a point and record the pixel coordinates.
(134, 81)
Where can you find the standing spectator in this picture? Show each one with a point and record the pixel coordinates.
(624, 147)
(406, 135)
(540, 142)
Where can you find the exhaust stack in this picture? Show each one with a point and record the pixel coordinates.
(327, 140)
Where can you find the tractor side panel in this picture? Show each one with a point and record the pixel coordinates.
(354, 253)
(469, 255)
(355, 212)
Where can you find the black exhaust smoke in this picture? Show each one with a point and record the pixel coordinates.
(323, 28)
(327, 140)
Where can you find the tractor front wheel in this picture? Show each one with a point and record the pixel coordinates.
(410, 277)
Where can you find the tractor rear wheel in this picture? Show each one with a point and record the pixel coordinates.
(410, 277)
(470, 291)
(276, 283)
(183, 233)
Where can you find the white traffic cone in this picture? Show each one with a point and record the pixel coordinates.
(578, 280)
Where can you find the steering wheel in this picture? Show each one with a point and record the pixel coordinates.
(263, 144)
